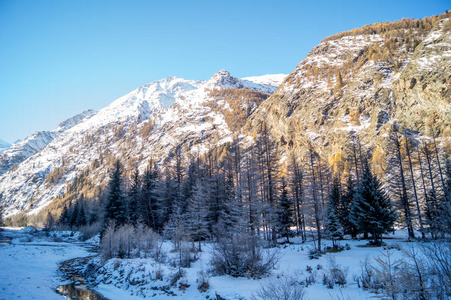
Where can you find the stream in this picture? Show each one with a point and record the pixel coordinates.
(79, 288)
(29, 258)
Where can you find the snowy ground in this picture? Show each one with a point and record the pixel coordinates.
(120, 276)
(30, 263)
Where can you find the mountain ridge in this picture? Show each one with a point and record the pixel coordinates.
(139, 124)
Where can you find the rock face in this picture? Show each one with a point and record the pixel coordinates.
(363, 83)
(148, 123)
(423, 90)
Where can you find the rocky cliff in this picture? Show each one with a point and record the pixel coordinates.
(364, 81)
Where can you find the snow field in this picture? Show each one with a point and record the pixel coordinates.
(120, 277)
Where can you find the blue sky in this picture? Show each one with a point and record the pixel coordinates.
(58, 58)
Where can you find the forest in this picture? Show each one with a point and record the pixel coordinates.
(248, 201)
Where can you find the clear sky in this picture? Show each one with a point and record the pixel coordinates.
(59, 58)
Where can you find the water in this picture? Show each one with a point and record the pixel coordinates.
(72, 291)
(77, 289)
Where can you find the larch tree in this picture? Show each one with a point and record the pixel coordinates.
(398, 182)
(296, 187)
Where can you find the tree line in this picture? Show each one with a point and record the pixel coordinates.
(233, 190)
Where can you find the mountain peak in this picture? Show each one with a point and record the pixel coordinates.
(222, 73)
(223, 79)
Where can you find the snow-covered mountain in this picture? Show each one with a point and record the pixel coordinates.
(20, 151)
(149, 122)
(4, 145)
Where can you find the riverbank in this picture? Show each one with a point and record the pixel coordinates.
(30, 261)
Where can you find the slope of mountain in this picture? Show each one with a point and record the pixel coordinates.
(4, 145)
(20, 151)
(149, 122)
(365, 81)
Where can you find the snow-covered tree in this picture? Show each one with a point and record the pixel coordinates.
(134, 198)
(333, 225)
(285, 212)
(371, 210)
(148, 199)
(344, 208)
(198, 212)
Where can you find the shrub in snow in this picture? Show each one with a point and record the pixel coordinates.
(241, 255)
(439, 264)
(126, 241)
(367, 278)
(310, 279)
(334, 274)
(388, 273)
(284, 287)
(203, 281)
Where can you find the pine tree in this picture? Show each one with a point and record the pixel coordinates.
(198, 212)
(81, 215)
(133, 198)
(64, 218)
(333, 225)
(372, 211)
(74, 215)
(49, 223)
(344, 209)
(285, 212)
(167, 191)
(149, 202)
(115, 208)
(229, 218)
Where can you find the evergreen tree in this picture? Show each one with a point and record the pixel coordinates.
(371, 210)
(149, 201)
(230, 211)
(167, 191)
(344, 208)
(285, 212)
(49, 222)
(74, 210)
(64, 218)
(133, 198)
(198, 212)
(333, 225)
(81, 215)
(115, 208)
